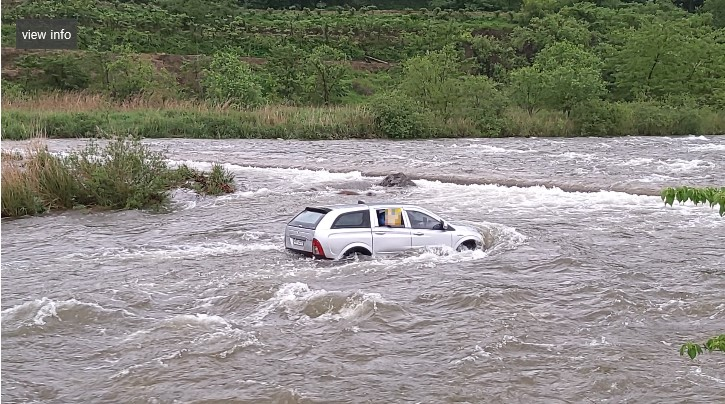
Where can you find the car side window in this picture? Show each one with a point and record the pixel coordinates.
(419, 220)
(390, 217)
(353, 220)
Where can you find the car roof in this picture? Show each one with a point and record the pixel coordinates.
(371, 205)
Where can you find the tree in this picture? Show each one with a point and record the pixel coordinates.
(228, 79)
(563, 75)
(327, 74)
(284, 67)
(493, 56)
(479, 99)
(689, 5)
(128, 74)
(549, 29)
(528, 88)
(431, 78)
(673, 59)
(717, 8)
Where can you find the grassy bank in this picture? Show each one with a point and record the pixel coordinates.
(124, 174)
(523, 69)
(79, 115)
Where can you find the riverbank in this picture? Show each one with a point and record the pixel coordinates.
(72, 115)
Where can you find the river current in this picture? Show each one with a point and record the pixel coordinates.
(586, 289)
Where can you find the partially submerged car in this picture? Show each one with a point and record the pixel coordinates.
(340, 231)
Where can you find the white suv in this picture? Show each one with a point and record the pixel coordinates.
(340, 231)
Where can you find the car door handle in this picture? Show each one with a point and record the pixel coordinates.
(380, 232)
(418, 233)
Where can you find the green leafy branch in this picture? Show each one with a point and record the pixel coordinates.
(713, 344)
(709, 195)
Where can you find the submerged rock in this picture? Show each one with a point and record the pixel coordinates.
(397, 180)
(348, 192)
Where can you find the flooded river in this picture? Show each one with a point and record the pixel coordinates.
(580, 296)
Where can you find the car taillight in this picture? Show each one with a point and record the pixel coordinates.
(317, 247)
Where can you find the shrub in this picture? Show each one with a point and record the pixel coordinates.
(218, 181)
(65, 72)
(123, 174)
(596, 118)
(228, 79)
(400, 117)
(131, 75)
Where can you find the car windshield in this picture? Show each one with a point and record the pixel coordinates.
(308, 219)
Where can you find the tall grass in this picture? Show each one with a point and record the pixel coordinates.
(64, 115)
(195, 122)
(123, 174)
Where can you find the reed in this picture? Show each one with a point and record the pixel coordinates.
(68, 115)
(123, 174)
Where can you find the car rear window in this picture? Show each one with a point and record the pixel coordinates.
(353, 220)
(308, 219)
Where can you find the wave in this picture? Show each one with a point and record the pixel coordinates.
(180, 251)
(303, 177)
(39, 312)
(299, 303)
(498, 150)
(300, 175)
(708, 147)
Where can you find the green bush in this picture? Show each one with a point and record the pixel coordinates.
(596, 118)
(400, 117)
(59, 71)
(123, 174)
(228, 79)
(130, 75)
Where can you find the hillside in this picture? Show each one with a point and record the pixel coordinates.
(559, 67)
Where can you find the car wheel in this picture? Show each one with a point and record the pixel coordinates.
(355, 254)
(466, 246)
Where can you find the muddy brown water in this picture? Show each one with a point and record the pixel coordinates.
(586, 290)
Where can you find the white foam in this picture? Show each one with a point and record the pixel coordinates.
(574, 155)
(639, 161)
(708, 147)
(698, 372)
(498, 150)
(296, 175)
(602, 342)
(538, 197)
(478, 353)
(355, 307)
(180, 251)
(293, 297)
(199, 319)
(288, 292)
(680, 165)
(44, 308)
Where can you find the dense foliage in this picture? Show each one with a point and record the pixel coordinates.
(123, 174)
(710, 195)
(474, 68)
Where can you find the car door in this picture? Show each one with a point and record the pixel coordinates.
(425, 230)
(391, 234)
(349, 228)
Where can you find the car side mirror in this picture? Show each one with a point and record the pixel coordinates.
(443, 225)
